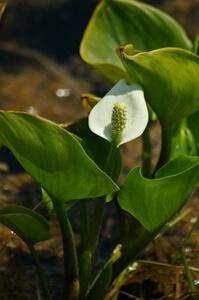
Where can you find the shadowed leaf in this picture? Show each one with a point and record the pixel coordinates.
(97, 147)
(27, 224)
(169, 77)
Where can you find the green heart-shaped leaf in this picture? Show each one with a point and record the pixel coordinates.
(170, 79)
(53, 157)
(118, 22)
(153, 202)
(27, 224)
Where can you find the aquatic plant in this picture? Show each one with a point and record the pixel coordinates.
(153, 64)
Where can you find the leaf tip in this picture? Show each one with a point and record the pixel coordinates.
(126, 50)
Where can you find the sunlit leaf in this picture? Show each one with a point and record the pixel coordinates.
(118, 22)
(27, 224)
(53, 157)
(153, 202)
(169, 77)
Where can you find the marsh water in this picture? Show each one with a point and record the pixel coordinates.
(41, 72)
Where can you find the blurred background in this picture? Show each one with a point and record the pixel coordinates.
(39, 53)
(41, 73)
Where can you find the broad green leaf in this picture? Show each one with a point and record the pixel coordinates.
(53, 157)
(119, 22)
(153, 202)
(27, 224)
(170, 79)
(97, 148)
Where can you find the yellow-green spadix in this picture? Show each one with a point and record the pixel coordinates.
(121, 115)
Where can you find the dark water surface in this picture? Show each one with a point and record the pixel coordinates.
(54, 28)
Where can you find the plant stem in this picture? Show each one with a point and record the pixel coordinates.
(130, 226)
(165, 147)
(131, 249)
(94, 232)
(146, 153)
(100, 204)
(84, 222)
(90, 247)
(96, 225)
(185, 241)
(71, 280)
(41, 273)
(187, 272)
(109, 163)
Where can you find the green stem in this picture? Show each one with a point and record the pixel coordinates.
(96, 225)
(131, 249)
(71, 281)
(129, 226)
(146, 153)
(100, 204)
(185, 241)
(165, 148)
(109, 164)
(87, 257)
(90, 247)
(124, 223)
(41, 273)
(84, 222)
(188, 272)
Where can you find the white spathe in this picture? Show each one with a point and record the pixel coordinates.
(137, 114)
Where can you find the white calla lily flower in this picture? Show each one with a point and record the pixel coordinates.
(121, 115)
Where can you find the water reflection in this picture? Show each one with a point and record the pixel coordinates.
(62, 93)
